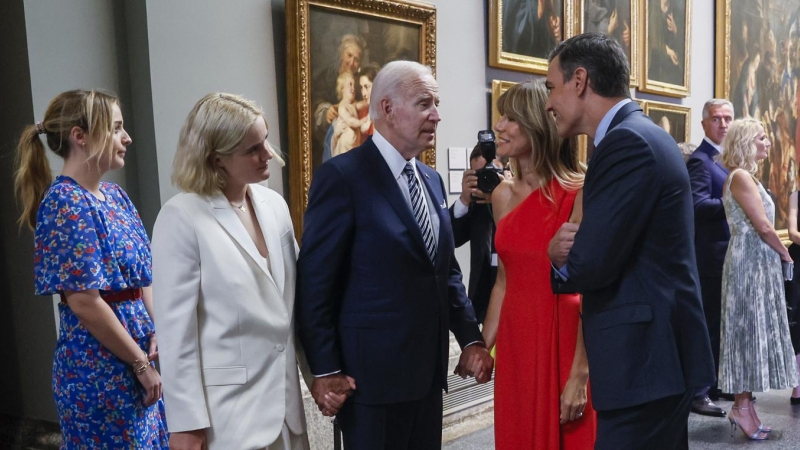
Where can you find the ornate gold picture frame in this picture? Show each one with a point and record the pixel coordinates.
(675, 119)
(666, 46)
(620, 20)
(757, 43)
(521, 34)
(333, 48)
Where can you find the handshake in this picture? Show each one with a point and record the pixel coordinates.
(331, 391)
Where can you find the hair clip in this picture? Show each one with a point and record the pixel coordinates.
(40, 128)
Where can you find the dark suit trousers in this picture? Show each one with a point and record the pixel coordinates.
(711, 290)
(658, 425)
(414, 425)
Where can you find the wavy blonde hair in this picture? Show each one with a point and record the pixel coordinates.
(739, 145)
(90, 110)
(216, 126)
(551, 156)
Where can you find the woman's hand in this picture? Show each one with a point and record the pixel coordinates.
(188, 440)
(573, 399)
(152, 355)
(151, 382)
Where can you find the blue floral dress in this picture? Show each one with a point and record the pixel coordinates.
(84, 243)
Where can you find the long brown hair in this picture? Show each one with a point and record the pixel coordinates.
(92, 111)
(551, 156)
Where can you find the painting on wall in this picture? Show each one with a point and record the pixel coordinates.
(523, 32)
(667, 39)
(334, 50)
(757, 61)
(675, 119)
(616, 18)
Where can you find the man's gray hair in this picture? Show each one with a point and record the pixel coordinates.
(391, 80)
(715, 103)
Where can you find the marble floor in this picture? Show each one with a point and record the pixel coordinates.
(705, 433)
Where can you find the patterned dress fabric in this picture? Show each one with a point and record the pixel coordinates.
(84, 243)
(537, 333)
(756, 352)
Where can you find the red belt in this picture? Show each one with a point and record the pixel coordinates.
(114, 297)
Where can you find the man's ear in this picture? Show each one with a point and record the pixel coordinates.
(580, 81)
(386, 107)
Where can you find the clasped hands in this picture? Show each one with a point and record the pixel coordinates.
(475, 361)
(331, 391)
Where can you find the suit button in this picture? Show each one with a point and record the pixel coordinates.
(279, 347)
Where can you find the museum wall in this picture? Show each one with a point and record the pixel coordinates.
(161, 57)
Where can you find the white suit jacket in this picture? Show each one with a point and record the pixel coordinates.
(225, 322)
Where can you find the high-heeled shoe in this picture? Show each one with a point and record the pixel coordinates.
(758, 435)
(794, 400)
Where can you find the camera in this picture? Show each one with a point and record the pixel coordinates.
(489, 176)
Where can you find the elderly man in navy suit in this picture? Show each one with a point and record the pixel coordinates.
(632, 256)
(708, 177)
(378, 285)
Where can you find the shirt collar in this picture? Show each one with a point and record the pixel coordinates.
(711, 143)
(393, 158)
(602, 128)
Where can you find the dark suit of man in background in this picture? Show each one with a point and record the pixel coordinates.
(708, 177)
(472, 220)
(378, 285)
(632, 257)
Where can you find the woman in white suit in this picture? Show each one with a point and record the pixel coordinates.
(224, 256)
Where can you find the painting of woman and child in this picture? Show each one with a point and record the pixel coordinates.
(346, 52)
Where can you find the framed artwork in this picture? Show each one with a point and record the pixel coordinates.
(334, 50)
(667, 39)
(757, 56)
(523, 32)
(616, 18)
(675, 119)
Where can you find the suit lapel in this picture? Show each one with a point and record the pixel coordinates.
(623, 112)
(234, 227)
(387, 185)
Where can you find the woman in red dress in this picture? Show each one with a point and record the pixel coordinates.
(541, 378)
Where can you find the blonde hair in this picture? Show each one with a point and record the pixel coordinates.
(216, 126)
(92, 111)
(739, 145)
(340, 83)
(551, 157)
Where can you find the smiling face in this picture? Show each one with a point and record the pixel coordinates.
(562, 101)
(249, 162)
(512, 141)
(411, 118)
(350, 58)
(115, 159)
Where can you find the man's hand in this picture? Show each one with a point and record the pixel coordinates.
(475, 361)
(470, 191)
(331, 391)
(561, 244)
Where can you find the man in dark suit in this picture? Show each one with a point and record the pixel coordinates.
(378, 285)
(707, 177)
(471, 216)
(632, 256)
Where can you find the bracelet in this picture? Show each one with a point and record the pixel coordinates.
(140, 366)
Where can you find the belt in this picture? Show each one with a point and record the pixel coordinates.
(114, 297)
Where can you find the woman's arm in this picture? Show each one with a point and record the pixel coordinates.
(98, 318)
(745, 192)
(794, 235)
(500, 199)
(147, 299)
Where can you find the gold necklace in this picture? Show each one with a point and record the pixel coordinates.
(241, 207)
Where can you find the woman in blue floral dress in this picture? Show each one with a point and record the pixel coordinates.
(92, 250)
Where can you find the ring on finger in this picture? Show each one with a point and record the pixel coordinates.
(580, 414)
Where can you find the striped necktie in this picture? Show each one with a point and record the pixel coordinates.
(420, 210)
